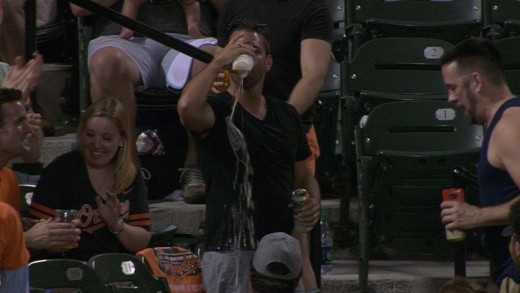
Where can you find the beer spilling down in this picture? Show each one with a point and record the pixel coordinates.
(454, 194)
(299, 197)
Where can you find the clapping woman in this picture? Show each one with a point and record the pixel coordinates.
(100, 181)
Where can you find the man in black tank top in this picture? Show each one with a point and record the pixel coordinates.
(472, 73)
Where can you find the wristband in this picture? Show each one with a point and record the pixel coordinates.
(120, 229)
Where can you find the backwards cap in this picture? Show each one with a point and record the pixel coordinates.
(278, 256)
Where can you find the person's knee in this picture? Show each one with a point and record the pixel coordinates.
(107, 63)
(10, 6)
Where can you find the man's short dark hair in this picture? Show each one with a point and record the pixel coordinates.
(251, 25)
(476, 54)
(8, 95)
(264, 284)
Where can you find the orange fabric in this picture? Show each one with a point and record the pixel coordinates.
(180, 267)
(40, 211)
(13, 253)
(142, 219)
(9, 190)
(312, 140)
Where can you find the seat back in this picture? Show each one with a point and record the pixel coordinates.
(502, 17)
(64, 273)
(126, 273)
(406, 66)
(406, 152)
(180, 267)
(406, 69)
(418, 126)
(508, 48)
(451, 20)
(389, 69)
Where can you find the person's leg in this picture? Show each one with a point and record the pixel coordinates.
(192, 12)
(219, 269)
(118, 67)
(46, 12)
(114, 74)
(191, 179)
(12, 30)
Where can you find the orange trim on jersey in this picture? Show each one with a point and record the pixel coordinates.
(94, 228)
(142, 219)
(41, 211)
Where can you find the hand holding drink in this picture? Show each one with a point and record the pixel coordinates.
(454, 194)
(66, 216)
(299, 197)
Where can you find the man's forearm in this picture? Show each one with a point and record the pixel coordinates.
(195, 93)
(496, 215)
(305, 93)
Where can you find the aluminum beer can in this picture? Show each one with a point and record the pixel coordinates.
(299, 197)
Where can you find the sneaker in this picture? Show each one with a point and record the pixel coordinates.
(193, 186)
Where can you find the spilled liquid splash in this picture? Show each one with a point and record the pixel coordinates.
(244, 233)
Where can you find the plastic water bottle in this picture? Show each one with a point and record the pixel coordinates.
(326, 245)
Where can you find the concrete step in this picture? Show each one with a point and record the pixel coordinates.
(396, 276)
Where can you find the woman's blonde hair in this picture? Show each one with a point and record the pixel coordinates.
(124, 169)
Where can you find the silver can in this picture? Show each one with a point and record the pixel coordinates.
(299, 197)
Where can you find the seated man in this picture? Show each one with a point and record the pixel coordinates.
(276, 265)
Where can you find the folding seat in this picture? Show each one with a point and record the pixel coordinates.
(451, 20)
(63, 274)
(390, 69)
(397, 66)
(126, 273)
(406, 154)
(508, 48)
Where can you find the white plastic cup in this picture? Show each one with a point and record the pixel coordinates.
(242, 65)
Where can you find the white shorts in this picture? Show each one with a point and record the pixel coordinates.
(45, 11)
(146, 53)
